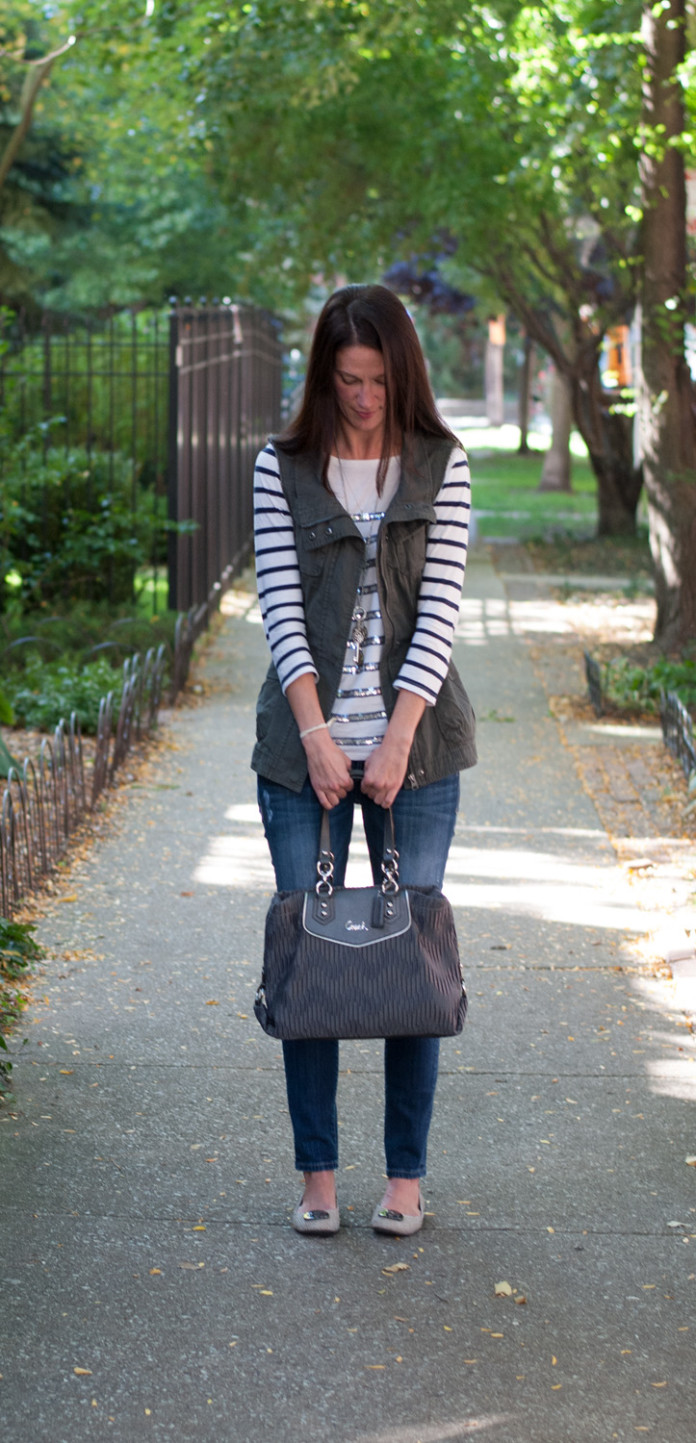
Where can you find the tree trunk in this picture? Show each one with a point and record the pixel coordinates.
(494, 381)
(525, 395)
(666, 392)
(608, 436)
(37, 73)
(555, 475)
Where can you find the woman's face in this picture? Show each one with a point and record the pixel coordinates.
(361, 389)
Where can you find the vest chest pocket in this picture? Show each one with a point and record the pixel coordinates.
(316, 543)
(406, 546)
(314, 548)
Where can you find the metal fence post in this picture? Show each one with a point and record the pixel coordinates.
(224, 400)
(173, 460)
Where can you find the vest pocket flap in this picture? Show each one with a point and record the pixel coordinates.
(322, 533)
(411, 511)
(359, 916)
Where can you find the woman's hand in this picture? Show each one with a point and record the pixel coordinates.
(329, 768)
(385, 770)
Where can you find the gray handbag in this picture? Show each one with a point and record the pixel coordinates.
(360, 962)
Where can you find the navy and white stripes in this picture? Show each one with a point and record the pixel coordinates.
(278, 574)
(428, 659)
(280, 591)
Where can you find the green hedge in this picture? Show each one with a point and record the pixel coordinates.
(73, 526)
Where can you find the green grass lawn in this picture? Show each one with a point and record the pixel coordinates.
(506, 498)
(557, 529)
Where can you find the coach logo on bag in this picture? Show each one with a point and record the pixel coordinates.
(357, 927)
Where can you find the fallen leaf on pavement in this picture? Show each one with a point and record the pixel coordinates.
(503, 1290)
(82, 1372)
(397, 1268)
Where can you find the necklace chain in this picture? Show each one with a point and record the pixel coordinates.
(352, 506)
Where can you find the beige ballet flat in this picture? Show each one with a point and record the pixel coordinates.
(401, 1225)
(323, 1222)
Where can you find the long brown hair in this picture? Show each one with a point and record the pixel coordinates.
(365, 316)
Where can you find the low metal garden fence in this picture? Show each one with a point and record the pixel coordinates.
(677, 731)
(46, 799)
(677, 726)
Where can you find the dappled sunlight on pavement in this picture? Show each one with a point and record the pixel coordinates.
(523, 880)
(435, 1432)
(481, 619)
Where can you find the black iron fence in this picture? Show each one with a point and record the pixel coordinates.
(225, 398)
(143, 427)
(100, 382)
(83, 455)
(150, 413)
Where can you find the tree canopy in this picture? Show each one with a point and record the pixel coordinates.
(252, 148)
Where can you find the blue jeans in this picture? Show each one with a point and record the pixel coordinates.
(424, 826)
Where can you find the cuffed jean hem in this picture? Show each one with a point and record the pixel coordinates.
(409, 1175)
(315, 1166)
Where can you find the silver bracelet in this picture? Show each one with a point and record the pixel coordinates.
(319, 727)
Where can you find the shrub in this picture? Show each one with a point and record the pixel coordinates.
(637, 688)
(72, 526)
(75, 632)
(47, 691)
(18, 953)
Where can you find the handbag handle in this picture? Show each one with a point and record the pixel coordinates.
(326, 860)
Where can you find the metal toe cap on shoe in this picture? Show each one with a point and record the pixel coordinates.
(316, 1220)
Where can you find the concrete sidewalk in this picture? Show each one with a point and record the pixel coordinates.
(152, 1287)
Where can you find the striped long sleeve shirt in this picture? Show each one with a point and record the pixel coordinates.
(280, 590)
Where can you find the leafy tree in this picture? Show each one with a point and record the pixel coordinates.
(667, 393)
(330, 137)
(33, 166)
(339, 133)
(516, 130)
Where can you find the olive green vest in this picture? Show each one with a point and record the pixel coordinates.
(330, 553)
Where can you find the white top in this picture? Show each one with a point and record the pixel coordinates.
(360, 720)
(359, 711)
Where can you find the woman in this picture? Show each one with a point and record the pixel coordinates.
(361, 524)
